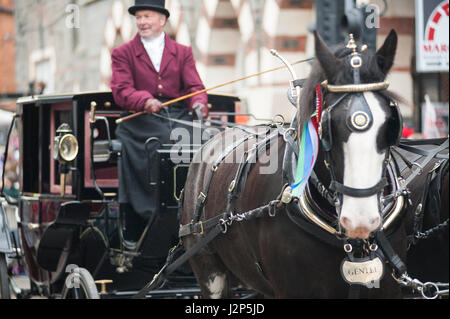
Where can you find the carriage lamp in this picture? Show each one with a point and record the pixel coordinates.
(65, 151)
(65, 146)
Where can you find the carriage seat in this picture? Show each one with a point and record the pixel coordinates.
(107, 151)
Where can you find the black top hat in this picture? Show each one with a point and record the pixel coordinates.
(156, 5)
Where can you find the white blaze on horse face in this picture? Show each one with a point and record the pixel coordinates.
(216, 285)
(363, 167)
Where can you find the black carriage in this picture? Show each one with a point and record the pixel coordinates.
(71, 221)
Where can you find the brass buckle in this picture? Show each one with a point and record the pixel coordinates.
(273, 208)
(202, 197)
(232, 186)
(202, 232)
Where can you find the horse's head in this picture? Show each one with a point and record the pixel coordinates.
(359, 123)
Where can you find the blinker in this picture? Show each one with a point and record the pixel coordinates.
(359, 117)
(360, 120)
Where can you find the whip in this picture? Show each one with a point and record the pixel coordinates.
(182, 98)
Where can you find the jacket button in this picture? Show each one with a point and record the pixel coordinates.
(160, 86)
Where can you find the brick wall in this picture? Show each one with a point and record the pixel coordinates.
(7, 48)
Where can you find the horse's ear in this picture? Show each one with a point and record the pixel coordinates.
(386, 54)
(330, 64)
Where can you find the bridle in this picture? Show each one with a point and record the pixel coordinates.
(359, 119)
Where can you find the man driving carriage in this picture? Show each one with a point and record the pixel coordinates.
(147, 71)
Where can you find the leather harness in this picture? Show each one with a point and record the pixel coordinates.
(210, 229)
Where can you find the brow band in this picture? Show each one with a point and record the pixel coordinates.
(351, 88)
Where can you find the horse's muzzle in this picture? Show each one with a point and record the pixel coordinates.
(360, 231)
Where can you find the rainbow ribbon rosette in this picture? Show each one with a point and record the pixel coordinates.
(309, 148)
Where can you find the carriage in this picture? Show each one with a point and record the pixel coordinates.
(71, 224)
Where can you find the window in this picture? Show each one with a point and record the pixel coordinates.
(42, 70)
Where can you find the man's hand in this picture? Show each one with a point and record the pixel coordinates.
(152, 106)
(202, 108)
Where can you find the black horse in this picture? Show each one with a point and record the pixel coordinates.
(294, 249)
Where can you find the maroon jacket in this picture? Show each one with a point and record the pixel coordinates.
(135, 80)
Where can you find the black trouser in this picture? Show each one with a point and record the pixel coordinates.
(138, 163)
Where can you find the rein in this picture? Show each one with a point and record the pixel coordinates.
(247, 128)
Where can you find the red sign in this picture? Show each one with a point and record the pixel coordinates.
(432, 23)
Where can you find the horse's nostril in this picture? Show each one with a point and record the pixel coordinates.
(346, 222)
(375, 221)
(370, 224)
(360, 232)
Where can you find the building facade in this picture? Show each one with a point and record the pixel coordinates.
(7, 53)
(66, 44)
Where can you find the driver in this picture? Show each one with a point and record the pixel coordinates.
(146, 72)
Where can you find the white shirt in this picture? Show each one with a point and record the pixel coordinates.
(155, 49)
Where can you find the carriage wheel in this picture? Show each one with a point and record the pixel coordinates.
(79, 284)
(4, 282)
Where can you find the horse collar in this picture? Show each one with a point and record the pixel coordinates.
(307, 207)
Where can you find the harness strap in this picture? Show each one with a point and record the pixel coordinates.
(354, 291)
(399, 271)
(201, 227)
(356, 192)
(418, 214)
(201, 201)
(407, 162)
(242, 173)
(322, 189)
(431, 200)
(289, 138)
(248, 161)
(236, 185)
(429, 156)
(419, 151)
(171, 265)
(393, 258)
(219, 225)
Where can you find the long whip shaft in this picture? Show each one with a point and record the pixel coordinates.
(185, 97)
